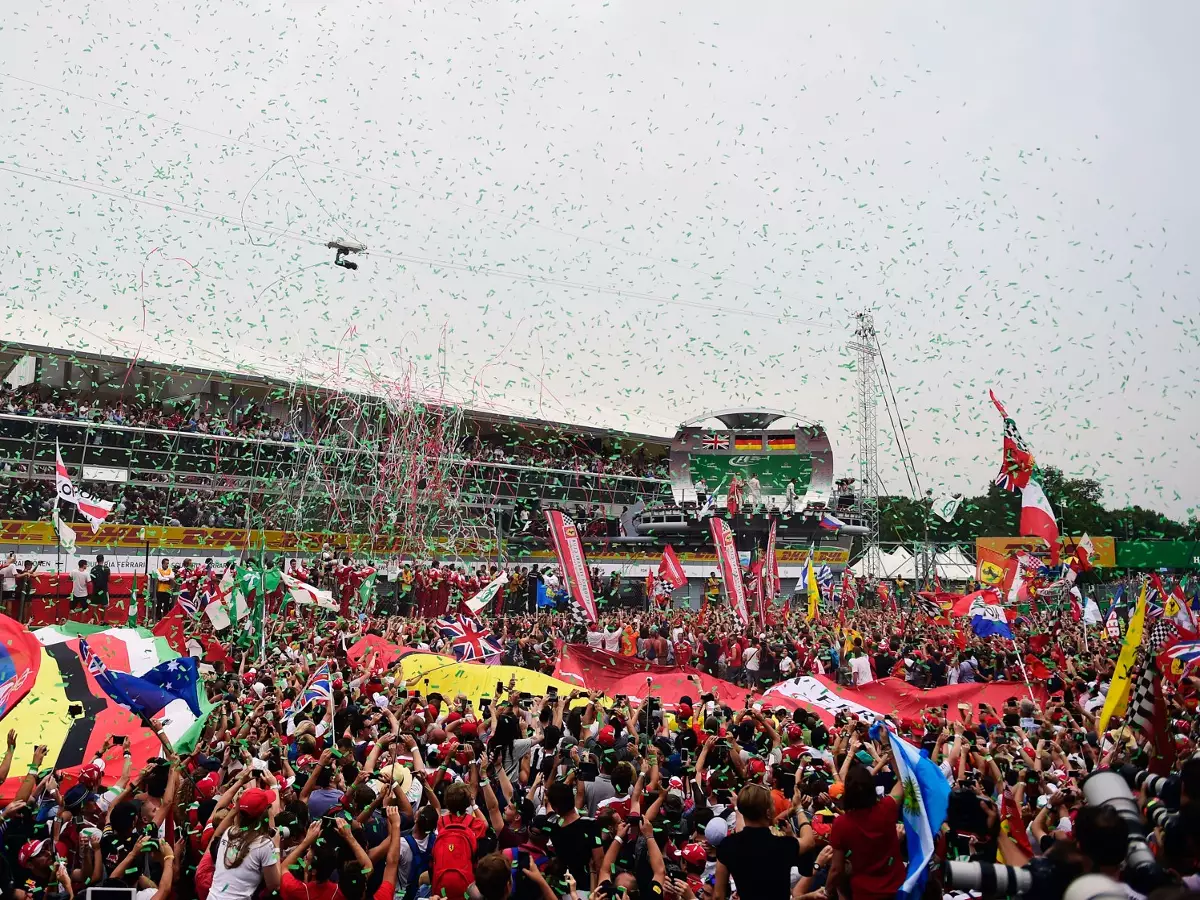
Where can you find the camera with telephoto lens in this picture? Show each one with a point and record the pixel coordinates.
(1044, 879)
(1160, 787)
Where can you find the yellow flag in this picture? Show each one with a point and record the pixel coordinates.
(848, 644)
(814, 592)
(1118, 690)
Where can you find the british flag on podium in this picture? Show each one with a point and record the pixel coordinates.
(470, 641)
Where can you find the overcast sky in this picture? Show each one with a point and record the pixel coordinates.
(625, 214)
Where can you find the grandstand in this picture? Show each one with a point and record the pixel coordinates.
(182, 447)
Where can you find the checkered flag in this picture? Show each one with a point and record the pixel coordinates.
(1141, 702)
(1148, 715)
(1163, 630)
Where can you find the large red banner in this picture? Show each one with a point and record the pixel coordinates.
(569, 550)
(599, 670)
(731, 569)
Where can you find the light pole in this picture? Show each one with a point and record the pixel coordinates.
(927, 556)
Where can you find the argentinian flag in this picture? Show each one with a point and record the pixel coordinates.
(926, 797)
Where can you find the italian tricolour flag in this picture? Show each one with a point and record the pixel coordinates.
(1037, 518)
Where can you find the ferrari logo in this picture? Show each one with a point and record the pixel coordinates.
(990, 573)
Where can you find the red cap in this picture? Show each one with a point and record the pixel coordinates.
(695, 854)
(206, 787)
(607, 736)
(794, 732)
(684, 711)
(469, 728)
(30, 849)
(757, 766)
(90, 776)
(255, 802)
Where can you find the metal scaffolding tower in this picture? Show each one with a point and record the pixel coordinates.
(865, 345)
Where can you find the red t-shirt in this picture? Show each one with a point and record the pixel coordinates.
(683, 653)
(386, 891)
(869, 837)
(292, 888)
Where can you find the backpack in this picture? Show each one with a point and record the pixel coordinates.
(419, 864)
(523, 888)
(453, 860)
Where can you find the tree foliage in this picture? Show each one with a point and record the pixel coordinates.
(1077, 502)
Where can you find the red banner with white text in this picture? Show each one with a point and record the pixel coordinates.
(731, 569)
(569, 550)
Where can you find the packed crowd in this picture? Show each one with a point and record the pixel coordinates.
(322, 425)
(385, 792)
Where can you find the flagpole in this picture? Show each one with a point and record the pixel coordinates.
(1021, 663)
(57, 569)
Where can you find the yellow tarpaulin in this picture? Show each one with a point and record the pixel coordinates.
(427, 672)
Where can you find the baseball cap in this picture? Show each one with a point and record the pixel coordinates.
(30, 849)
(716, 831)
(255, 802)
(607, 736)
(206, 787)
(90, 775)
(794, 732)
(76, 797)
(695, 854)
(684, 711)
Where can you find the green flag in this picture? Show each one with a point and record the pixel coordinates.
(366, 593)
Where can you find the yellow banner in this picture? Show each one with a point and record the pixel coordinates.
(1104, 558)
(218, 540)
(165, 537)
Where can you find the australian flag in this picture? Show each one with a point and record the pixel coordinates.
(470, 641)
(150, 693)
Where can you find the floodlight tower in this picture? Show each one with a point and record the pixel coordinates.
(865, 344)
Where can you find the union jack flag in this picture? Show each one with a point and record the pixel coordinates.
(189, 605)
(715, 442)
(469, 640)
(319, 687)
(1154, 604)
(94, 663)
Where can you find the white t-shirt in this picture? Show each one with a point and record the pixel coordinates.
(612, 641)
(8, 577)
(860, 670)
(595, 640)
(406, 856)
(750, 659)
(79, 583)
(787, 665)
(241, 882)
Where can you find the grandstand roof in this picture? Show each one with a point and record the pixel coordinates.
(76, 340)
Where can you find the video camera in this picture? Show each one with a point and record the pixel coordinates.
(1044, 879)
